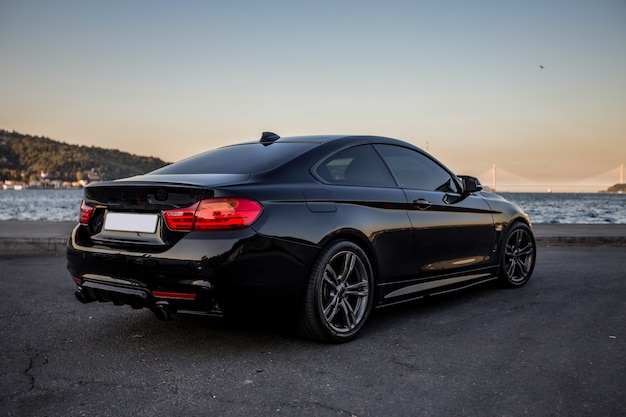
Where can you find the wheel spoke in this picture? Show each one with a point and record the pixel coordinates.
(527, 250)
(510, 249)
(349, 315)
(510, 270)
(348, 266)
(358, 289)
(329, 287)
(523, 267)
(331, 309)
(330, 276)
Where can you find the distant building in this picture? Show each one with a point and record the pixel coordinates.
(13, 185)
(93, 175)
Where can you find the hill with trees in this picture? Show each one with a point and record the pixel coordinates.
(25, 158)
(617, 188)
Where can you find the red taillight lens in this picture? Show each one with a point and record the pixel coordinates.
(180, 219)
(226, 213)
(85, 213)
(214, 214)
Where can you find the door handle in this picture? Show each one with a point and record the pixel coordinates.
(422, 204)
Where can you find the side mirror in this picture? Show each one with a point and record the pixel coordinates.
(470, 184)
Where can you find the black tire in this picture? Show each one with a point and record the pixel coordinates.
(518, 256)
(339, 294)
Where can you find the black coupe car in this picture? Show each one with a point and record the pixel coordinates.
(322, 228)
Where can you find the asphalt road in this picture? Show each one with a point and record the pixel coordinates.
(556, 347)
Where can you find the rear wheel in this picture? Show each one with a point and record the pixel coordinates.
(339, 295)
(518, 259)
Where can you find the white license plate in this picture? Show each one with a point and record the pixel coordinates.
(131, 222)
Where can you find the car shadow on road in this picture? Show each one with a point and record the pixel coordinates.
(194, 333)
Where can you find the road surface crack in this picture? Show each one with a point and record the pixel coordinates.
(37, 361)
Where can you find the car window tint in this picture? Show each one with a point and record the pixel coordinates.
(249, 158)
(415, 170)
(359, 165)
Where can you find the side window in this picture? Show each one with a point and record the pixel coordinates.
(415, 170)
(359, 165)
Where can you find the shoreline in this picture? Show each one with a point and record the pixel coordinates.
(23, 236)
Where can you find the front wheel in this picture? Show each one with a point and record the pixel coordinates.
(518, 259)
(339, 295)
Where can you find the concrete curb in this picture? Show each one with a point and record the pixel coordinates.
(581, 241)
(580, 234)
(24, 237)
(26, 246)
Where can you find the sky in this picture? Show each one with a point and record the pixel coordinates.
(536, 88)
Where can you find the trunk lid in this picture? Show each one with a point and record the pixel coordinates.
(127, 214)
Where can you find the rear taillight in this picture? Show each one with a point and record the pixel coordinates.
(214, 214)
(180, 219)
(85, 213)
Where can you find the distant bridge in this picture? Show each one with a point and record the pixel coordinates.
(502, 180)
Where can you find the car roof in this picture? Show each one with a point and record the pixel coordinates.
(321, 139)
(269, 153)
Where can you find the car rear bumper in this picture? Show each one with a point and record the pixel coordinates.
(197, 274)
(164, 304)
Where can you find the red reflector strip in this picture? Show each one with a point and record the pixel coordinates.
(174, 295)
(77, 280)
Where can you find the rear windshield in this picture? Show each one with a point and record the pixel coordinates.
(248, 158)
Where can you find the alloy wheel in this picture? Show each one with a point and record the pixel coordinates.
(519, 256)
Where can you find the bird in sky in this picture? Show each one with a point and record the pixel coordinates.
(541, 67)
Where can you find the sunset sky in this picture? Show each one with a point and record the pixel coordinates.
(463, 79)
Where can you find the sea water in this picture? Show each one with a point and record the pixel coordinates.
(593, 208)
(51, 205)
(584, 208)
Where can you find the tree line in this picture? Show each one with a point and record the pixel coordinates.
(24, 158)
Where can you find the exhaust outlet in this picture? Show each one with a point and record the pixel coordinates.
(164, 311)
(83, 298)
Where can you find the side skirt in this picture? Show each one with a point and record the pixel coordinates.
(435, 287)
